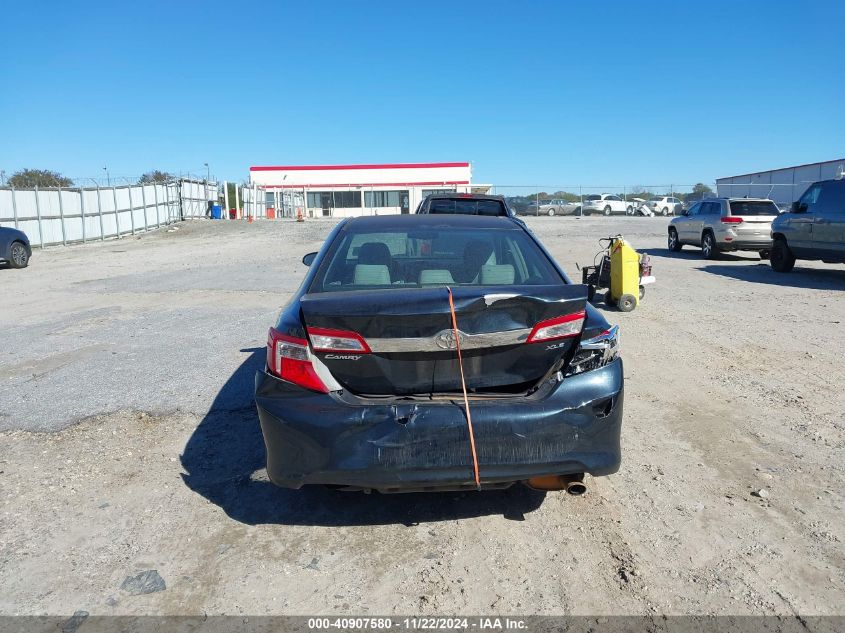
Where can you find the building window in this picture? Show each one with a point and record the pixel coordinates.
(385, 198)
(428, 192)
(334, 200)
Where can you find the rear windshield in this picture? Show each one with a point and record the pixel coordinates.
(592, 197)
(753, 207)
(467, 206)
(433, 257)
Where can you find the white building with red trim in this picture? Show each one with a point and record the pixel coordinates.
(351, 190)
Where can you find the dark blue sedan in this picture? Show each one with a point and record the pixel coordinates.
(14, 247)
(439, 352)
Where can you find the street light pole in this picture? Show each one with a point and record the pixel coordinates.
(207, 178)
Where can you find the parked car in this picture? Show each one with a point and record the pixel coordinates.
(518, 206)
(363, 383)
(560, 207)
(606, 203)
(532, 208)
(464, 204)
(640, 207)
(666, 205)
(813, 229)
(15, 249)
(725, 224)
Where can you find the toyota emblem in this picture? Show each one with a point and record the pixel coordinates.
(446, 339)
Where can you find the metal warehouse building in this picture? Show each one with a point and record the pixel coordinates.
(350, 190)
(784, 186)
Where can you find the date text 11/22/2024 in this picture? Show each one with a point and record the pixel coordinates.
(421, 623)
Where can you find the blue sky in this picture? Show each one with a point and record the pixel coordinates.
(552, 93)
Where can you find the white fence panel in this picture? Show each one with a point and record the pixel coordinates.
(173, 205)
(149, 195)
(195, 198)
(47, 209)
(70, 208)
(120, 196)
(93, 218)
(107, 211)
(59, 216)
(7, 211)
(27, 213)
(137, 204)
(253, 201)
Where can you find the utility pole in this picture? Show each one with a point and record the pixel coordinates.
(108, 177)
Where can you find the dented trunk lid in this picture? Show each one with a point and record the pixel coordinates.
(411, 340)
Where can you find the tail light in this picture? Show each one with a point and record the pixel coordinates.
(289, 359)
(595, 352)
(565, 326)
(326, 340)
(731, 219)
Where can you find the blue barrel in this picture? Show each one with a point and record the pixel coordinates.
(216, 212)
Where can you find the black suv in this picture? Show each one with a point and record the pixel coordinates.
(465, 204)
(813, 229)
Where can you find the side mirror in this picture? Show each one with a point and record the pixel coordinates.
(799, 207)
(684, 211)
(309, 259)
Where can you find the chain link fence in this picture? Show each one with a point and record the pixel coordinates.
(555, 199)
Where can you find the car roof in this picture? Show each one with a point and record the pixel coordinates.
(433, 220)
(737, 199)
(465, 196)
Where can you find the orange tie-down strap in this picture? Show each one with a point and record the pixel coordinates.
(464, 387)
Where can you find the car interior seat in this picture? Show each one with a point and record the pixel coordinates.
(476, 254)
(373, 267)
(371, 275)
(497, 274)
(374, 253)
(436, 277)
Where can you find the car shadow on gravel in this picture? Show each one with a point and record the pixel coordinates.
(800, 277)
(224, 462)
(696, 254)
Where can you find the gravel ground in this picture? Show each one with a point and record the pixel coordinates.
(129, 443)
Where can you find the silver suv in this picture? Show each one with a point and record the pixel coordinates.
(725, 224)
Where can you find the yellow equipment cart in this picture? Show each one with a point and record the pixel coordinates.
(622, 270)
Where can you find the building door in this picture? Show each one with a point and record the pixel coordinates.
(406, 207)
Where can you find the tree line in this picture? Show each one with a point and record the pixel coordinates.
(31, 178)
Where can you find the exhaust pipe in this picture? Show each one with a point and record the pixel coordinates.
(573, 484)
(576, 486)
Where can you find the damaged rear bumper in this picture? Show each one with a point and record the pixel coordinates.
(396, 446)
